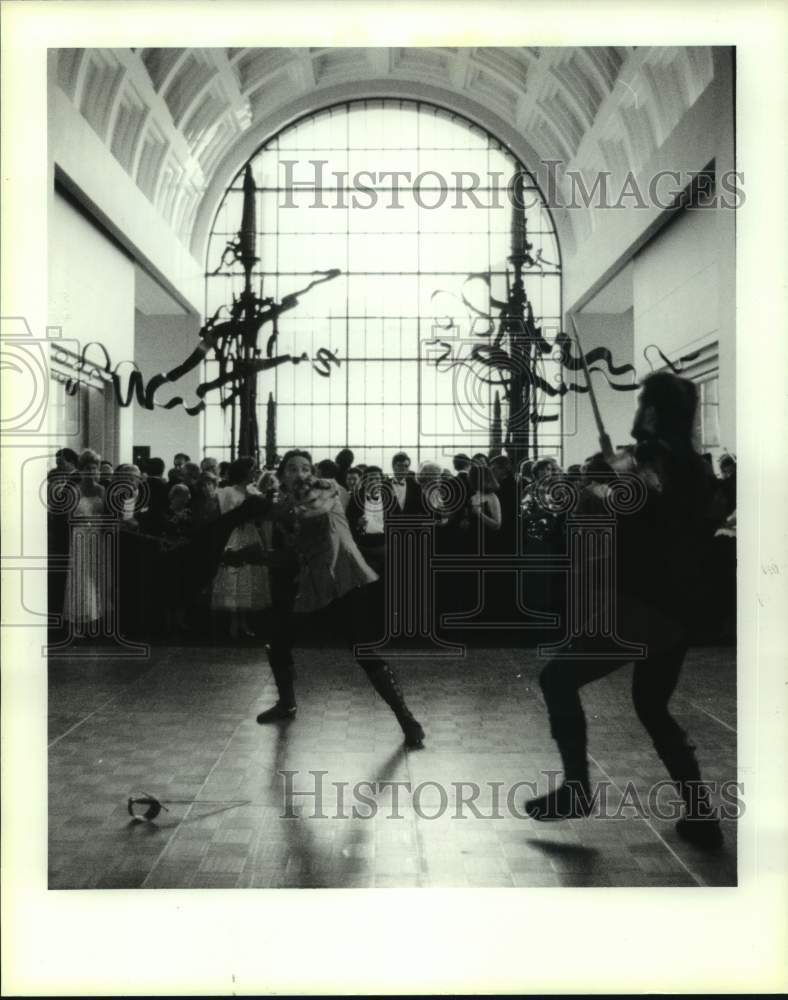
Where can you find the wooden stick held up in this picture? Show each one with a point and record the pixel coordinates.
(604, 440)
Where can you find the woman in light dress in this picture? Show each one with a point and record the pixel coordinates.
(241, 585)
(86, 599)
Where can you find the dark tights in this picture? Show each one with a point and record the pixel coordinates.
(653, 683)
(353, 617)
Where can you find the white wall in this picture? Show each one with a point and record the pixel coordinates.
(684, 299)
(81, 157)
(91, 297)
(161, 343)
(684, 268)
(676, 289)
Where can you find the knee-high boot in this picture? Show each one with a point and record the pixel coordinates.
(384, 681)
(572, 799)
(284, 675)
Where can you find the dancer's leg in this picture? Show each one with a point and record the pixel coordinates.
(355, 618)
(280, 650)
(560, 682)
(653, 684)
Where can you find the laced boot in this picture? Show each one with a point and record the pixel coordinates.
(385, 682)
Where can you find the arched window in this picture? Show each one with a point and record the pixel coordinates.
(408, 201)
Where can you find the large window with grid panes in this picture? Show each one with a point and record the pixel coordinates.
(410, 204)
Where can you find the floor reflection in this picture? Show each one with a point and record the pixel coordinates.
(183, 730)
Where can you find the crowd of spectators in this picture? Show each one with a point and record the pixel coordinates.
(168, 582)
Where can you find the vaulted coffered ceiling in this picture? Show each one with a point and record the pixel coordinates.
(182, 121)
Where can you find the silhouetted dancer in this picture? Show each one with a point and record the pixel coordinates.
(658, 548)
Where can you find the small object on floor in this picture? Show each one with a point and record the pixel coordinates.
(572, 800)
(155, 805)
(703, 832)
(146, 799)
(277, 713)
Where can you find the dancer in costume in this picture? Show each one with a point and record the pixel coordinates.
(328, 572)
(660, 547)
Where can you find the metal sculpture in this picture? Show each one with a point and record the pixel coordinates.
(517, 325)
(514, 347)
(270, 432)
(240, 357)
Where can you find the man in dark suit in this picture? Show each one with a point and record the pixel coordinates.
(501, 466)
(158, 502)
(407, 500)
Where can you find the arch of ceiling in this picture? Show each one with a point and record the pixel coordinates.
(181, 122)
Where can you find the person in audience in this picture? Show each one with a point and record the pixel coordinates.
(62, 487)
(460, 519)
(728, 489)
(480, 459)
(178, 531)
(437, 495)
(501, 468)
(85, 599)
(353, 479)
(407, 494)
(659, 546)
(344, 462)
(333, 577)
(179, 512)
(105, 473)
(210, 465)
(137, 590)
(430, 481)
(158, 497)
(224, 473)
(366, 519)
(544, 519)
(268, 484)
(190, 472)
(330, 470)
(526, 472)
(544, 469)
(327, 469)
(65, 471)
(133, 495)
(180, 459)
(485, 507)
(66, 461)
(205, 505)
(727, 466)
(429, 472)
(241, 586)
